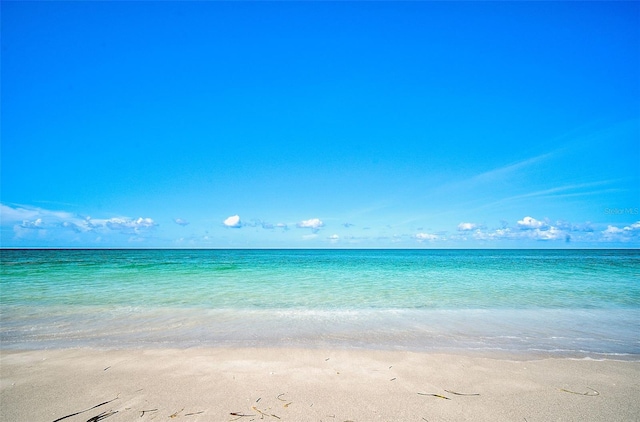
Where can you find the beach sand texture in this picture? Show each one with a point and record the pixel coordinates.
(274, 384)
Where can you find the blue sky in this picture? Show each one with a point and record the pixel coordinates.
(320, 124)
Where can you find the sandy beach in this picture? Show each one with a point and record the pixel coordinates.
(311, 385)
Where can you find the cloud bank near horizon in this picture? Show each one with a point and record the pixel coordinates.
(23, 223)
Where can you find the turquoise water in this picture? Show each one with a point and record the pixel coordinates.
(564, 302)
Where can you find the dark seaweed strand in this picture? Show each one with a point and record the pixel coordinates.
(82, 411)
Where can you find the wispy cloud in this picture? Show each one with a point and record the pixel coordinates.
(543, 176)
(18, 213)
(474, 192)
(566, 191)
(180, 221)
(575, 140)
(507, 171)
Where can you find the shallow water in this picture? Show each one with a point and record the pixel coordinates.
(578, 303)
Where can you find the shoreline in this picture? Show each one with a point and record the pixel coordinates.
(509, 355)
(311, 384)
(575, 333)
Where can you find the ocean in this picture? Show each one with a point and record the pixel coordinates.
(564, 303)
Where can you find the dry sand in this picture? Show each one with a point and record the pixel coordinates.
(311, 385)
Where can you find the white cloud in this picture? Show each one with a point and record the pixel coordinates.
(35, 224)
(180, 221)
(634, 227)
(467, 226)
(143, 223)
(530, 229)
(421, 237)
(333, 238)
(232, 221)
(314, 224)
(126, 224)
(119, 224)
(497, 234)
(624, 234)
(567, 226)
(613, 230)
(552, 233)
(528, 223)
